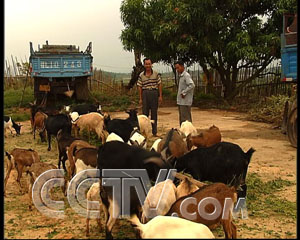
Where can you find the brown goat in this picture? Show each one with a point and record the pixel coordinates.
(75, 145)
(34, 171)
(218, 191)
(18, 158)
(39, 124)
(177, 146)
(204, 139)
(92, 121)
(185, 187)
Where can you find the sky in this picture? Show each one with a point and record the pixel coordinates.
(70, 22)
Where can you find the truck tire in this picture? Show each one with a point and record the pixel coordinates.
(292, 125)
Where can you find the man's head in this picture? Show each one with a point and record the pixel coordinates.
(179, 65)
(147, 63)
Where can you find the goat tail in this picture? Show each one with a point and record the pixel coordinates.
(249, 154)
(136, 222)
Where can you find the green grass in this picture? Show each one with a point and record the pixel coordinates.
(12, 97)
(262, 201)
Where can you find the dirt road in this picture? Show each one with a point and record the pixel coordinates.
(274, 158)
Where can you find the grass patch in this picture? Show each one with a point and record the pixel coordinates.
(261, 200)
(52, 234)
(12, 97)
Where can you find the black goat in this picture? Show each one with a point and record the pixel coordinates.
(122, 127)
(64, 140)
(56, 122)
(84, 108)
(223, 162)
(119, 155)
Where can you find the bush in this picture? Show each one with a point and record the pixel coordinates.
(269, 110)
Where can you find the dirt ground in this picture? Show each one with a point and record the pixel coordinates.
(274, 158)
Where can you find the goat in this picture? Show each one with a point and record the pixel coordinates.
(34, 108)
(10, 124)
(174, 143)
(83, 108)
(185, 187)
(64, 140)
(18, 158)
(204, 139)
(39, 124)
(75, 145)
(34, 171)
(217, 191)
(113, 137)
(155, 145)
(56, 122)
(163, 194)
(122, 127)
(93, 121)
(223, 162)
(93, 194)
(85, 158)
(187, 128)
(162, 227)
(118, 155)
(137, 139)
(145, 125)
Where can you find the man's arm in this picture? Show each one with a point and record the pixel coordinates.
(140, 94)
(160, 93)
(190, 84)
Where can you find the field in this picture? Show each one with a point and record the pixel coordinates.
(271, 180)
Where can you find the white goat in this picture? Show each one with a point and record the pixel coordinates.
(137, 139)
(155, 145)
(188, 128)
(161, 197)
(93, 195)
(145, 125)
(114, 137)
(171, 227)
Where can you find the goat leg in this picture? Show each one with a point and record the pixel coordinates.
(49, 141)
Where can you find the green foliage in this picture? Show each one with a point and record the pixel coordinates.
(12, 97)
(219, 35)
(269, 109)
(261, 198)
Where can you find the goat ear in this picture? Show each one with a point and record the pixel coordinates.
(163, 154)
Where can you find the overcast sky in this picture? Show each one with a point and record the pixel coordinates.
(74, 22)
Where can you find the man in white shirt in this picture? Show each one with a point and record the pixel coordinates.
(185, 93)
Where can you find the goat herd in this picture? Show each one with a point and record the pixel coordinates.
(124, 146)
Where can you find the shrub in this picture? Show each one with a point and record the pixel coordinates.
(269, 109)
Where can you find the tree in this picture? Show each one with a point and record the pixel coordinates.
(222, 35)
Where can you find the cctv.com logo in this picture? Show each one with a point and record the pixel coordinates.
(121, 181)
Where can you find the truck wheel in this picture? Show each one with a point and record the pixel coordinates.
(292, 127)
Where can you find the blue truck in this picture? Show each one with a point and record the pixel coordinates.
(289, 42)
(60, 70)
